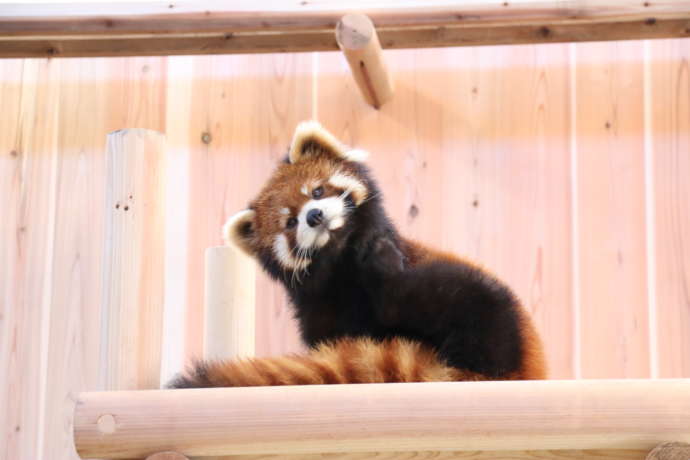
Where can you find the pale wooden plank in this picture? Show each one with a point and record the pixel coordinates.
(472, 156)
(28, 133)
(180, 72)
(96, 96)
(136, 93)
(243, 111)
(470, 455)
(10, 172)
(74, 331)
(610, 163)
(670, 130)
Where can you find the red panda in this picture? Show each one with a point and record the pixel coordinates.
(372, 305)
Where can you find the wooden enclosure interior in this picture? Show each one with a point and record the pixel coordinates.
(563, 168)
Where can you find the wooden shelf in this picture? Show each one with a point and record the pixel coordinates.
(169, 28)
(475, 416)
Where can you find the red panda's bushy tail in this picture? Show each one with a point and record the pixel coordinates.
(348, 360)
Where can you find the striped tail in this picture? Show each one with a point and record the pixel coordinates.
(361, 360)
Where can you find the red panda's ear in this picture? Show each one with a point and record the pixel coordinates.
(239, 231)
(311, 138)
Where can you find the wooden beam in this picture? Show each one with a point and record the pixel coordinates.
(461, 416)
(168, 28)
(357, 38)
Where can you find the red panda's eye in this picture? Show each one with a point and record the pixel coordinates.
(317, 192)
(291, 222)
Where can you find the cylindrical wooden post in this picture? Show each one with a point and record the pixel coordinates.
(133, 260)
(229, 294)
(359, 42)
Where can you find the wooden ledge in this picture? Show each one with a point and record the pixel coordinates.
(515, 416)
(168, 28)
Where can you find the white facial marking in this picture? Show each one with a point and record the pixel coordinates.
(285, 211)
(336, 223)
(322, 239)
(304, 190)
(333, 209)
(350, 185)
(281, 249)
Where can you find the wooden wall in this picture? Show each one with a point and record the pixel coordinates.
(563, 168)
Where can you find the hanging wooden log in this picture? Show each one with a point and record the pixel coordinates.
(357, 38)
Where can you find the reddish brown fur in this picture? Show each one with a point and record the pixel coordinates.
(534, 365)
(359, 360)
(283, 190)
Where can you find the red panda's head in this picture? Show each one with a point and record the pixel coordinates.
(306, 204)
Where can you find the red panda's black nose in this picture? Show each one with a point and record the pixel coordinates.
(314, 217)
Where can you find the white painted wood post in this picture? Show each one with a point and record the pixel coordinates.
(133, 258)
(229, 297)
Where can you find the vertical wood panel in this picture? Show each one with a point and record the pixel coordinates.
(74, 332)
(10, 182)
(472, 155)
(611, 210)
(94, 100)
(671, 145)
(28, 130)
(243, 111)
(180, 70)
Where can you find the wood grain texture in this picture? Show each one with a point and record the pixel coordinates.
(203, 17)
(229, 304)
(28, 152)
(610, 163)
(167, 456)
(462, 171)
(178, 84)
(75, 293)
(243, 111)
(163, 28)
(133, 259)
(96, 96)
(671, 146)
(476, 455)
(357, 39)
(537, 415)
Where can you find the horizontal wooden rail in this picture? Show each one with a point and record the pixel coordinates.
(516, 416)
(167, 28)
